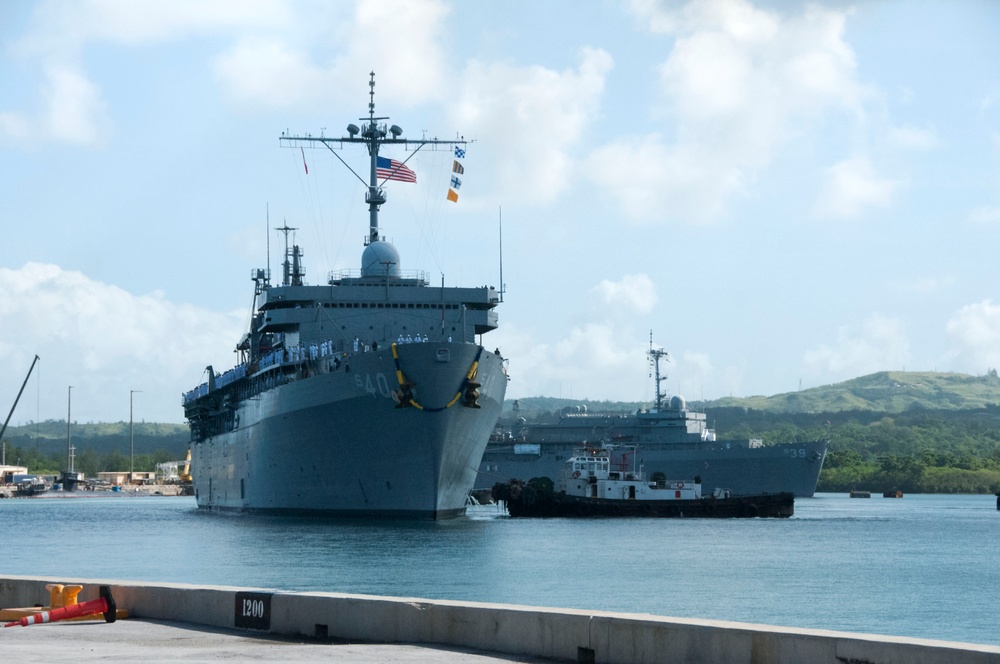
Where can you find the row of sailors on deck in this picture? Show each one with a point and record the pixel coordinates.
(299, 353)
(401, 340)
(359, 346)
(409, 340)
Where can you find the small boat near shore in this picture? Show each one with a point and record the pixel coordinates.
(598, 482)
(29, 485)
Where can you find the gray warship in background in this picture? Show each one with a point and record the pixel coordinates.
(364, 396)
(671, 441)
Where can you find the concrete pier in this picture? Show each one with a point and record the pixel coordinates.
(429, 629)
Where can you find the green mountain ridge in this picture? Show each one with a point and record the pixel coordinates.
(888, 392)
(884, 391)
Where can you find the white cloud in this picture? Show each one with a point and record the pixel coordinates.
(512, 107)
(75, 111)
(913, 138)
(882, 345)
(852, 186)
(105, 341)
(14, 126)
(739, 83)
(679, 182)
(407, 54)
(601, 357)
(591, 362)
(281, 69)
(974, 331)
(277, 55)
(61, 29)
(985, 214)
(635, 292)
(72, 106)
(262, 70)
(690, 374)
(931, 284)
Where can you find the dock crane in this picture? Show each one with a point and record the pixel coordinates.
(11, 413)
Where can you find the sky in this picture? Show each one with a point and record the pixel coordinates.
(782, 195)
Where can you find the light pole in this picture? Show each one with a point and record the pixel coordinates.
(131, 444)
(69, 444)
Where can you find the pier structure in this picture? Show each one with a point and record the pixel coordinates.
(255, 622)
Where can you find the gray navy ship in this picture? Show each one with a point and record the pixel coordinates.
(671, 441)
(367, 395)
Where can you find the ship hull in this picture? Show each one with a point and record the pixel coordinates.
(746, 471)
(339, 444)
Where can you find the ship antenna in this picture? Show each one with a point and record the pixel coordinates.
(500, 208)
(267, 234)
(655, 354)
(376, 196)
(287, 275)
(373, 134)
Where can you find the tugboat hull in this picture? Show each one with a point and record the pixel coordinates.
(526, 501)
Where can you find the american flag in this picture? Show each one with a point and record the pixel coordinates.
(390, 169)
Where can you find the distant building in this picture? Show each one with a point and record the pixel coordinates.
(7, 473)
(120, 477)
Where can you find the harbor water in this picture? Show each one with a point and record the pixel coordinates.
(921, 566)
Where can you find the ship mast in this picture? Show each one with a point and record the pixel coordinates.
(655, 354)
(292, 271)
(373, 133)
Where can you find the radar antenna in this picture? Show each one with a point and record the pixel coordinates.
(373, 133)
(655, 355)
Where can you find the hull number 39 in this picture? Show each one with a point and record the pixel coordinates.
(253, 610)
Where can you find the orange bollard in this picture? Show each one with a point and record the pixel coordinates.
(62, 595)
(55, 595)
(105, 605)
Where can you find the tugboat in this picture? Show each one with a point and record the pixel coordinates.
(598, 482)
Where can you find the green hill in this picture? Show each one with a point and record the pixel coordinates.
(883, 392)
(49, 439)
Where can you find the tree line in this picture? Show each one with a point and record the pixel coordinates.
(87, 460)
(101, 447)
(917, 451)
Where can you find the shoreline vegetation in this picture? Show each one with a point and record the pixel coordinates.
(915, 432)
